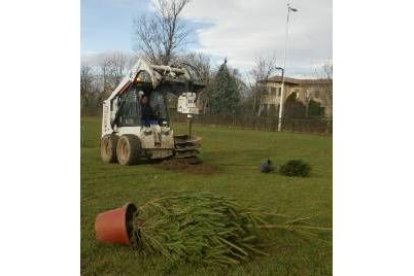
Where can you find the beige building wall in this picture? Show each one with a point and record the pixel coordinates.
(273, 92)
(304, 93)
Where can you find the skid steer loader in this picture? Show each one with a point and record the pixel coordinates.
(127, 137)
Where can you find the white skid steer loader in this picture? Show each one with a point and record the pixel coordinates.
(128, 136)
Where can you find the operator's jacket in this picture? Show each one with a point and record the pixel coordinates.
(147, 114)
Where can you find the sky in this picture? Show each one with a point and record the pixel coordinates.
(239, 30)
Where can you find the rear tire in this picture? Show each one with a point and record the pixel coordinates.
(128, 150)
(108, 148)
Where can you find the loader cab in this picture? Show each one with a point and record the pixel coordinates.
(128, 107)
(158, 104)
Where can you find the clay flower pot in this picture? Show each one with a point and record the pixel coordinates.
(114, 226)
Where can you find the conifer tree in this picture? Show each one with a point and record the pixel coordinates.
(224, 94)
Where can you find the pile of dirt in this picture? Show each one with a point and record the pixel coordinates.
(188, 165)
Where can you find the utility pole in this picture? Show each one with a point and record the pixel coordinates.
(282, 93)
(282, 75)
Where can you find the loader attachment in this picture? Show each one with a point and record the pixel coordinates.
(187, 146)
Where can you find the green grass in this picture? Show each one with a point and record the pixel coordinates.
(237, 154)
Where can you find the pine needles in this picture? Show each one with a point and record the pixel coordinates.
(208, 229)
(197, 227)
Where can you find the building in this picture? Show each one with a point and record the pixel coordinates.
(304, 90)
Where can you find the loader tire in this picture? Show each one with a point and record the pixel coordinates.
(108, 148)
(128, 150)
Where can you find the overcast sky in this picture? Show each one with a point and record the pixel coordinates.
(240, 30)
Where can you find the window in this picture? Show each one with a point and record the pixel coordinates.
(157, 103)
(316, 94)
(273, 91)
(279, 92)
(128, 112)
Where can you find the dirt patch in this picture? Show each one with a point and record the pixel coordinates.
(188, 165)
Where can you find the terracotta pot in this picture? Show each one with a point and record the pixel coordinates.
(114, 226)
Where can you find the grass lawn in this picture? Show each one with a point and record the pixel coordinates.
(236, 154)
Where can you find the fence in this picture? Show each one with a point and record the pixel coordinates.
(247, 121)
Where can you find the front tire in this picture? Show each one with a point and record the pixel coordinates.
(128, 150)
(108, 148)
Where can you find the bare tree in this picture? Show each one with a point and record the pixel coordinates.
(86, 80)
(324, 76)
(119, 61)
(328, 87)
(100, 74)
(263, 69)
(328, 70)
(112, 68)
(202, 64)
(159, 35)
(107, 70)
